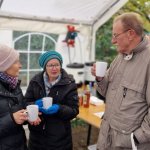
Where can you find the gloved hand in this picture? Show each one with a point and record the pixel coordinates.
(51, 110)
(39, 102)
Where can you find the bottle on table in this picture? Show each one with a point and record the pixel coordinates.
(86, 97)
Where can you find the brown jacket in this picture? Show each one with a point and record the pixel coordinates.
(126, 87)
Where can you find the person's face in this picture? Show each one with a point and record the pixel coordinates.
(53, 69)
(121, 37)
(13, 70)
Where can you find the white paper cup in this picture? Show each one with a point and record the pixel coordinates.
(32, 112)
(47, 102)
(101, 68)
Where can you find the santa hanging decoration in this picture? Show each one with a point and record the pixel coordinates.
(71, 35)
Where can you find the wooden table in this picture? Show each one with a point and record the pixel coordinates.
(87, 115)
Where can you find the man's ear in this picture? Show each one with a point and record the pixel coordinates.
(131, 34)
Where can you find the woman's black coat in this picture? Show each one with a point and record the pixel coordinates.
(12, 135)
(54, 132)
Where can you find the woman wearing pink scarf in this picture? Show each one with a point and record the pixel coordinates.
(12, 116)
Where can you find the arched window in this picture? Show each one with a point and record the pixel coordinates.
(30, 46)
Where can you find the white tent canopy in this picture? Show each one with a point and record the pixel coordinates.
(52, 16)
(80, 11)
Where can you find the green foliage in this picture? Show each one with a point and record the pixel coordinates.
(104, 49)
(78, 122)
(142, 7)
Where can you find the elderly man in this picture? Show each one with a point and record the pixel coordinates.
(126, 123)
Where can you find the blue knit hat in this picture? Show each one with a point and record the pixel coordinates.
(44, 58)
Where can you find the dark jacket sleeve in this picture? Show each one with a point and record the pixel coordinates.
(29, 95)
(71, 110)
(32, 93)
(6, 124)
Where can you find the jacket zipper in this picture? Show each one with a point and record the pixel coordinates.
(44, 126)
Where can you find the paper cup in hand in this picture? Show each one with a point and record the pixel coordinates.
(47, 102)
(32, 112)
(101, 68)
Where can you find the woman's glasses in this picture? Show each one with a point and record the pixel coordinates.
(51, 66)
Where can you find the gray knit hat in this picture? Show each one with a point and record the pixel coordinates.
(44, 58)
(7, 57)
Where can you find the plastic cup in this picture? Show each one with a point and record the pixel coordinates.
(32, 112)
(47, 102)
(101, 68)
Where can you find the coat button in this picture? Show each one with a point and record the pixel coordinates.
(123, 131)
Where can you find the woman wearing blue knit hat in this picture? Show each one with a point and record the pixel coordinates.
(54, 131)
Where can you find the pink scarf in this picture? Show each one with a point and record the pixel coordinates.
(12, 81)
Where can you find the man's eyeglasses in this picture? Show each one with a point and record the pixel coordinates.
(115, 36)
(53, 66)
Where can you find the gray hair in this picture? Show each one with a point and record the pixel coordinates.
(131, 20)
